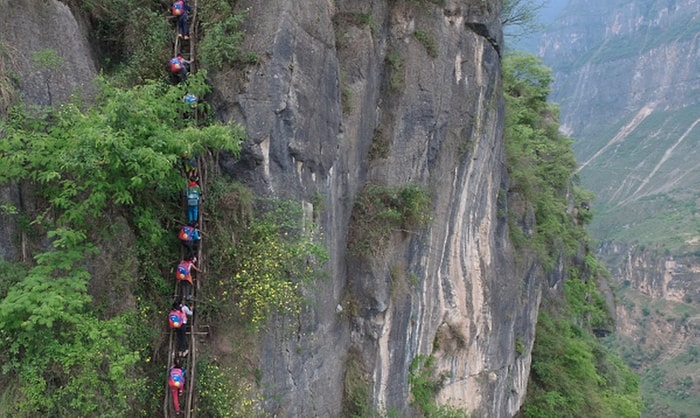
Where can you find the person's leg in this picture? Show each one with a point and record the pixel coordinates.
(176, 398)
(189, 249)
(192, 213)
(181, 25)
(181, 339)
(185, 345)
(187, 290)
(185, 26)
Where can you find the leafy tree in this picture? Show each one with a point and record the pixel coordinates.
(221, 43)
(135, 48)
(541, 162)
(118, 156)
(573, 375)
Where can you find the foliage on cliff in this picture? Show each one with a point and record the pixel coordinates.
(540, 161)
(62, 354)
(139, 49)
(272, 257)
(572, 373)
(120, 157)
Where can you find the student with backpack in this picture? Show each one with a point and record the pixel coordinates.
(190, 103)
(183, 273)
(181, 9)
(189, 164)
(176, 383)
(179, 67)
(177, 320)
(194, 195)
(189, 237)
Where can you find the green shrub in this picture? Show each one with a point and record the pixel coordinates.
(66, 357)
(572, 374)
(425, 385)
(132, 49)
(221, 39)
(379, 211)
(428, 42)
(218, 397)
(356, 387)
(65, 360)
(259, 261)
(396, 71)
(540, 160)
(380, 147)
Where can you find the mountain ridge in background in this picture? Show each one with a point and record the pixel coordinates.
(627, 84)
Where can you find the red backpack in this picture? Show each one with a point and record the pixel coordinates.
(186, 233)
(176, 378)
(178, 8)
(175, 319)
(175, 65)
(183, 270)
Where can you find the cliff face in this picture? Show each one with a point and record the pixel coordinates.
(626, 83)
(420, 82)
(611, 59)
(442, 130)
(658, 323)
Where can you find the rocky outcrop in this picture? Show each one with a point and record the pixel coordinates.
(674, 279)
(656, 306)
(47, 48)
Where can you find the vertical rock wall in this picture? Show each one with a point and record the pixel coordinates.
(334, 77)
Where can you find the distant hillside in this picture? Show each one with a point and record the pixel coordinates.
(626, 79)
